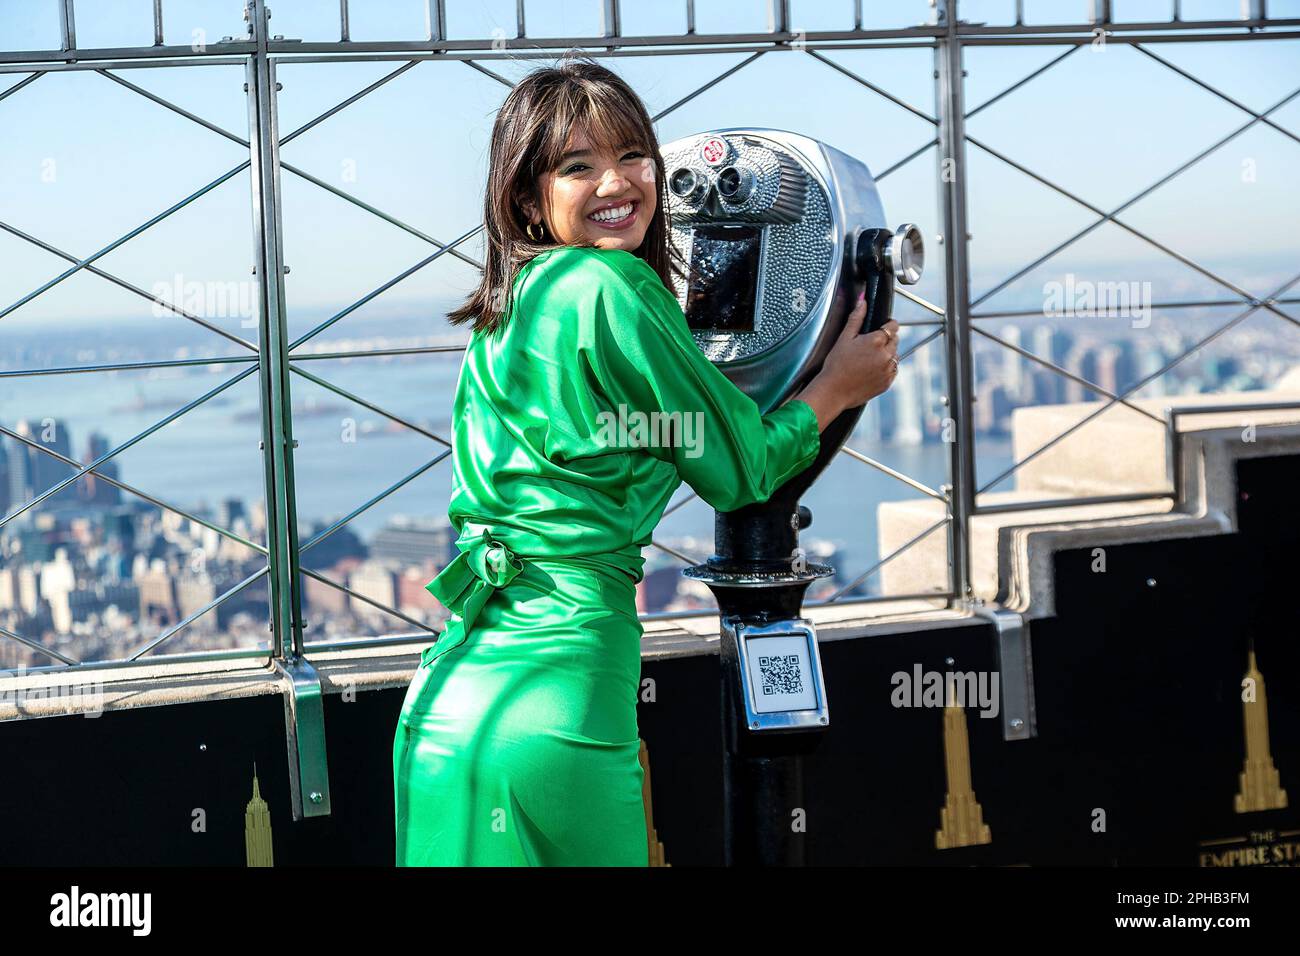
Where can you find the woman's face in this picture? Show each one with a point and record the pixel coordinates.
(605, 197)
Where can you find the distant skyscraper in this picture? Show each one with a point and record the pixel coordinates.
(907, 405)
(1081, 361)
(231, 510)
(1108, 361)
(1051, 343)
(933, 381)
(1046, 387)
(407, 541)
(1013, 378)
(92, 489)
(32, 471)
(1149, 361)
(4, 478)
(1126, 365)
(18, 474)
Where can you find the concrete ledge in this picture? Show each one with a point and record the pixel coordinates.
(1208, 507)
(1121, 451)
(925, 564)
(91, 691)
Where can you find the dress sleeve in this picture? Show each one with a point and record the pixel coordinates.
(644, 360)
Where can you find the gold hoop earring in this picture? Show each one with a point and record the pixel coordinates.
(541, 231)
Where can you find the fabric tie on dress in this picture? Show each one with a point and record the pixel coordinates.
(465, 585)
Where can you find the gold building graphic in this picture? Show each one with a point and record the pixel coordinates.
(1261, 788)
(656, 854)
(257, 828)
(961, 821)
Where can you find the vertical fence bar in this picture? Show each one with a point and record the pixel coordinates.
(157, 23)
(435, 20)
(690, 16)
(304, 715)
(778, 16)
(519, 18)
(610, 23)
(344, 28)
(277, 431)
(68, 24)
(957, 337)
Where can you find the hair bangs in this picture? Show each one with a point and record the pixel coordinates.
(607, 120)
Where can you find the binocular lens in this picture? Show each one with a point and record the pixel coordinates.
(683, 182)
(729, 182)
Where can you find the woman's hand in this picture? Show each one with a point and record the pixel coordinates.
(858, 368)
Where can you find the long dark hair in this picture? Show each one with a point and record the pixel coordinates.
(531, 132)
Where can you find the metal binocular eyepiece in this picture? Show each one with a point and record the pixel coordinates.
(687, 183)
(906, 254)
(882, 258)
(735, 183)
(900, 254)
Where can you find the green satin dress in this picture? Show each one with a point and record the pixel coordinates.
(574, 424)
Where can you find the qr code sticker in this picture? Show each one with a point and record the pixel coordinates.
(780, 674)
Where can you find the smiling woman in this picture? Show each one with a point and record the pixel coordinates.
(517, 742)
(574, 162)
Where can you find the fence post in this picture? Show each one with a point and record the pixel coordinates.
(952, 195)
(304, 715)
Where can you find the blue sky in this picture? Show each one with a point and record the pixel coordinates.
(85, 159)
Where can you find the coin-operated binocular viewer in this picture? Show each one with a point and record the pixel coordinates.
(783, 233)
